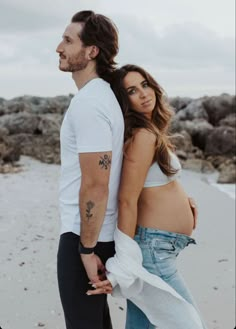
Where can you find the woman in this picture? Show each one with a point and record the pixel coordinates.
(154, 210)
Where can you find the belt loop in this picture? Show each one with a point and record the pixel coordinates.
(143, 233)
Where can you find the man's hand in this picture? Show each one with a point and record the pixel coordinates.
(194, 209)
(94, 267)
(102, 287)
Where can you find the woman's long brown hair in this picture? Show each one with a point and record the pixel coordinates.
(159, 123)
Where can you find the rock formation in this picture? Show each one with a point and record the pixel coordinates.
(204, 131)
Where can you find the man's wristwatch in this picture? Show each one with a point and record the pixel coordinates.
(84, 250)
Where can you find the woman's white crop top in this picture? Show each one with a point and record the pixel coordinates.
(155, 177)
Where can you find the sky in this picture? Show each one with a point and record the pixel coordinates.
(187, 45)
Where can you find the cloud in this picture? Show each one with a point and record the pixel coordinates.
(186, 46)
(186, 59)
(16, 18)
(177, 52)
(193, 44)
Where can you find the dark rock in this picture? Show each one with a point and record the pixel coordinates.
(182, 142)
(218, 160)
(49, 123)
(2, 106)
(9, 151)
(36, 105)
(221, 141)
(12, 154)
(30, 125)
(178, 125)
(3, 131)
(181, 154)
(45, 148)
(179, 103)
(198, 129)
(198, 165)
(200, 132)
(227, 174)
(218, 107)
(59, 104)
(197, 153)
(194, 110)
(229, 121)
(207, 167)
(20, 123)
(16, 105)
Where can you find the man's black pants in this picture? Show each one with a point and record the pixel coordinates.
(81, 311)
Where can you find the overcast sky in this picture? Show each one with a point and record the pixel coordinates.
(187, 45)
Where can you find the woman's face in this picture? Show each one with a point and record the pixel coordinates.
(142, 97)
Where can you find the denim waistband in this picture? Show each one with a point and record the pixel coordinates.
(145, 232)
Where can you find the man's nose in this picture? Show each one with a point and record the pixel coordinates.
(59, 48)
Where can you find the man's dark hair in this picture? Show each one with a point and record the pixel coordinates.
(100, 31)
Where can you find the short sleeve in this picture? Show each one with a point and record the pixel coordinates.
(91, 127)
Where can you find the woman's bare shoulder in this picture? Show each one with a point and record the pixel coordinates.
(145, 135)
(141, 146)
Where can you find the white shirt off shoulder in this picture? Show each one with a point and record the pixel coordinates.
(163, 306)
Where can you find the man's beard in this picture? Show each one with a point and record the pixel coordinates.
(76, 63)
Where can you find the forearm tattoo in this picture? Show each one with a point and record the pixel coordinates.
(90, 205)
(105, 162)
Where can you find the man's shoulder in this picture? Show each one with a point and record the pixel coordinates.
(98, 96)
(101, 92)
(93, 90)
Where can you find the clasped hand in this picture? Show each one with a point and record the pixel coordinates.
(96, 272)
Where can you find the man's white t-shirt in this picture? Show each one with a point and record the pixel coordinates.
(92, 123)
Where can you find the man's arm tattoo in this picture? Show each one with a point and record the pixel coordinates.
(105, 162)
(90, 206)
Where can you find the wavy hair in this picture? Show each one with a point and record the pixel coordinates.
(159, 123)
(100, 31)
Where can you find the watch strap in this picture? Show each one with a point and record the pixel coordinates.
(85, 250)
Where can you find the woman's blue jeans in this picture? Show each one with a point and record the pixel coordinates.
(160, 250)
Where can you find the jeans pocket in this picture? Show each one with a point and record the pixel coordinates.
(163, 250)
(164, 245)
(164, 259)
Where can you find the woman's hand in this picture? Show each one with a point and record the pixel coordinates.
(194, 209)
(102, 287)
(94, 267)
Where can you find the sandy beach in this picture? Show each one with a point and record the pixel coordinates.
(29, 232)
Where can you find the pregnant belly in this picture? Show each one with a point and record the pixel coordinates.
(166, 208)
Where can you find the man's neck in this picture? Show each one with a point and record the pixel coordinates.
(82, 77)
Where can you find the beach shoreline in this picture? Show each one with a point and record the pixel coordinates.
(29, 233)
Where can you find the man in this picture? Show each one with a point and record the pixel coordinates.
(91, 158)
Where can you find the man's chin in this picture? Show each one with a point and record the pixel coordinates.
(64, 68)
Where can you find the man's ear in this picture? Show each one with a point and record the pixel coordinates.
(93, 52)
